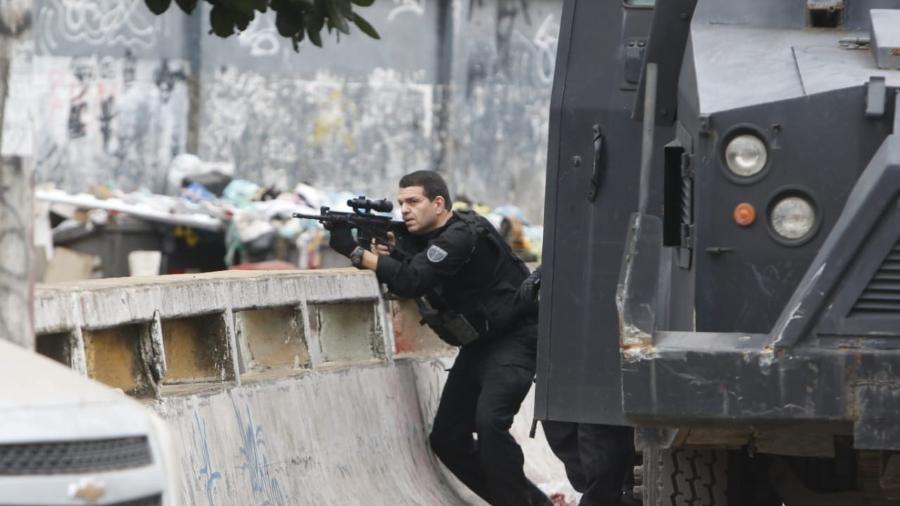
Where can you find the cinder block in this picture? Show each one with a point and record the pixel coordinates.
(56, 346)
(271, 339)
(113, 357)
(347, 332)
(197, 350)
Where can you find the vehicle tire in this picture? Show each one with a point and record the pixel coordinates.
(685, 478)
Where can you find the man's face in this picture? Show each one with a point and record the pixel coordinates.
(420, 215)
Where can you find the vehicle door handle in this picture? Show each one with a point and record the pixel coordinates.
(598, 164)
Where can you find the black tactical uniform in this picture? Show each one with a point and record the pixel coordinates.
(598, 458)
(466, 268)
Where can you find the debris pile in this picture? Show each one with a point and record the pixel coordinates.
(208, 221)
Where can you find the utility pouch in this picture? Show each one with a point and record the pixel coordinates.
(452, 327)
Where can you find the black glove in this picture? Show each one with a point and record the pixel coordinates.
(527, 295)
(342, 239)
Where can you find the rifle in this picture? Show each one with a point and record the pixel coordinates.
(449, 325)
(368, 225)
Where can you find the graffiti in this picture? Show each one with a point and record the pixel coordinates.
(207, 470)
(261, 37)
(507, 13)
(17, 112)
(120, 119)
(253, 451)
(353, 135)
(109, 120)
(545, 40)
(415, 7)
(106, 23)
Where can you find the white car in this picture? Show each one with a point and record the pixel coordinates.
(68, 440)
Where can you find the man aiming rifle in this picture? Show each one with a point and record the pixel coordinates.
(469, 275)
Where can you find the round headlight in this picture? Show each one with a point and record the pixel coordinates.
(746, 155)
(793, 218)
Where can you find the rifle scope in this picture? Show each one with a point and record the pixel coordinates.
(362, 203)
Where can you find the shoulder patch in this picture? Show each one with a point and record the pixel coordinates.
(436, 254)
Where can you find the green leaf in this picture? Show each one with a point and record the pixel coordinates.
(158, 6)
(241, 20)
(296, 40)
(364, 25)
(336, 17)
(187, 6)
(363, 3)
(315, 18)
(221, 22)
(244, 7)
(288, 23)
(279, 5)
(314, 37)
(346, 8)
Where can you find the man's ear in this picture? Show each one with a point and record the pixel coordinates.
(439, 200)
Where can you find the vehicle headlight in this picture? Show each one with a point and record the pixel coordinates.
(793, 218)
(746, 155)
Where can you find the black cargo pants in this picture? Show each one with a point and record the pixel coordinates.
(484, 390)
(598, 459)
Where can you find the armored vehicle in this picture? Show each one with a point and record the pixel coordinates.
(722, 249)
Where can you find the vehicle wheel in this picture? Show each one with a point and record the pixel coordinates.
(684, 478)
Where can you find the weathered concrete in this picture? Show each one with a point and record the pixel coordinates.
(15, 178)
(283, 388)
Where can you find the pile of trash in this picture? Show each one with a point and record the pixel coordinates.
(254, 222)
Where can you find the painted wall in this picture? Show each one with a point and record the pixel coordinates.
(110, 93)
(15, 174)
(348, 426)
(459, 85)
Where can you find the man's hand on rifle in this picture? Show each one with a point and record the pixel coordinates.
(342, 239)
(380, 248)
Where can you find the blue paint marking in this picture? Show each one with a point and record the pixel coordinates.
(265, 488)
(207, 471)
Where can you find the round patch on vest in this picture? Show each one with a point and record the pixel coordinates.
(435, 254)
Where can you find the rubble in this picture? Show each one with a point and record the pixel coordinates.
(211, 220)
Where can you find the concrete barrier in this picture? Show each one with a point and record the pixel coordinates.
(283, 388)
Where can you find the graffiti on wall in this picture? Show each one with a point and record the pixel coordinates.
(265, 487)
(207, 473)
(18, 123)
(414, 7)
(502, 103)
(100, 23)
(113, 117)
(106, 120)
(325, 131)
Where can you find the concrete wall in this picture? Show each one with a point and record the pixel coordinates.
(15, 175)
(282, 388)
(457, 85)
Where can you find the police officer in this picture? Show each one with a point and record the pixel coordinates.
(598, 458)
(465, 278)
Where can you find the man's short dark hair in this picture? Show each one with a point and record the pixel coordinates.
(433, 185)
